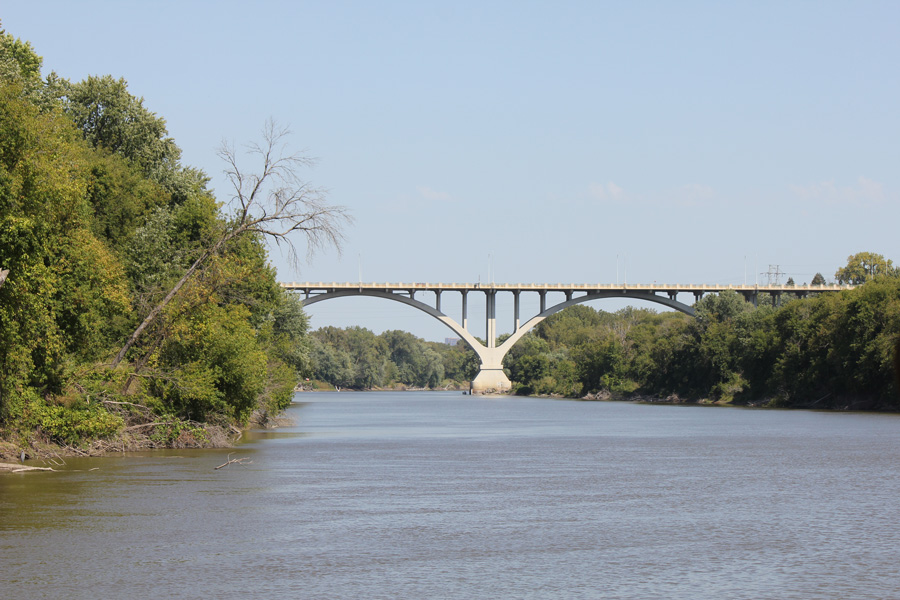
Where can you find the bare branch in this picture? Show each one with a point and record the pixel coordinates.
(274, 202)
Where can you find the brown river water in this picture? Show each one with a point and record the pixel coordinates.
(441, 495)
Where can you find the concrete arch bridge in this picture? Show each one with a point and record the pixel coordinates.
(491, 376)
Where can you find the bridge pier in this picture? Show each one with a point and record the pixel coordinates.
(490, 378)
(489, 381)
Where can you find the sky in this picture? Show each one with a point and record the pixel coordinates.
(517, 141)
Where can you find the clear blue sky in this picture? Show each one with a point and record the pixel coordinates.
(545, 142)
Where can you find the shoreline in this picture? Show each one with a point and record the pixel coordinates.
(41, 449)
(131, 439)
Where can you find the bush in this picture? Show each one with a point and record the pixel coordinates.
(72, 425)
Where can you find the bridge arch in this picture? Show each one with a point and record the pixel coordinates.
(491, 376)
(446, 320)
(533, 321)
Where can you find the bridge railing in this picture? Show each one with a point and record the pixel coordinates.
(563, 287)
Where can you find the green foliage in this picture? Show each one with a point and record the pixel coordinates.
(572, 327)
(717, 308)
(20, 65)
(212, 364)
(65, 292)
(357, 358)
(121, 197)
(289, 331)
(72, 424)
(862, 267)
(109, 117)
(98, 220)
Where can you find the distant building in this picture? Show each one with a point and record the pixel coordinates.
(451, 341)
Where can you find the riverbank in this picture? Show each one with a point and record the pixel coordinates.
(154, 436)
(134, 438)
(839, 404)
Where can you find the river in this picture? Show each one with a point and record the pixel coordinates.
(441, 495)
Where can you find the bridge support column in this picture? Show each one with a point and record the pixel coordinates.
(465, 311)
(490, 309)
(516, 310)
(491, 378)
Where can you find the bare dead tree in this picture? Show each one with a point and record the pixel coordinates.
(274, 202)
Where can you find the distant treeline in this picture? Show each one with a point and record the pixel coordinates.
(357, 358)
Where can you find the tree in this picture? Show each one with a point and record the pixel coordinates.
(721, 307)
(863, 266)
(110, 118)
(19, 64)
(65, 288)
(272, 203)
(818, 279)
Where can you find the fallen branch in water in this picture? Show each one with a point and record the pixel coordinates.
(14, 468)
(239, 461)
(76, 450)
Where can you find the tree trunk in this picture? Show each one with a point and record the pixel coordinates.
(165, 301)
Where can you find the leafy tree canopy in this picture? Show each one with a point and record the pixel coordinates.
(862, 267)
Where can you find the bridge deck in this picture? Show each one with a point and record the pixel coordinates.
(313, 287)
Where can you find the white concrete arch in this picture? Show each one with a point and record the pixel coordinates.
(491, 376)
(446, 320)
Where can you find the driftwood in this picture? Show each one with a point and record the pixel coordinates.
(126, 404)
(234, 461)
(133, 427)
(14, 468)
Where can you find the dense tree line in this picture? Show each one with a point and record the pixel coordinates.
(99, 223)
(357, 358)
(832, 350)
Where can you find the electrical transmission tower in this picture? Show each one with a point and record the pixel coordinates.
(773, 275)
